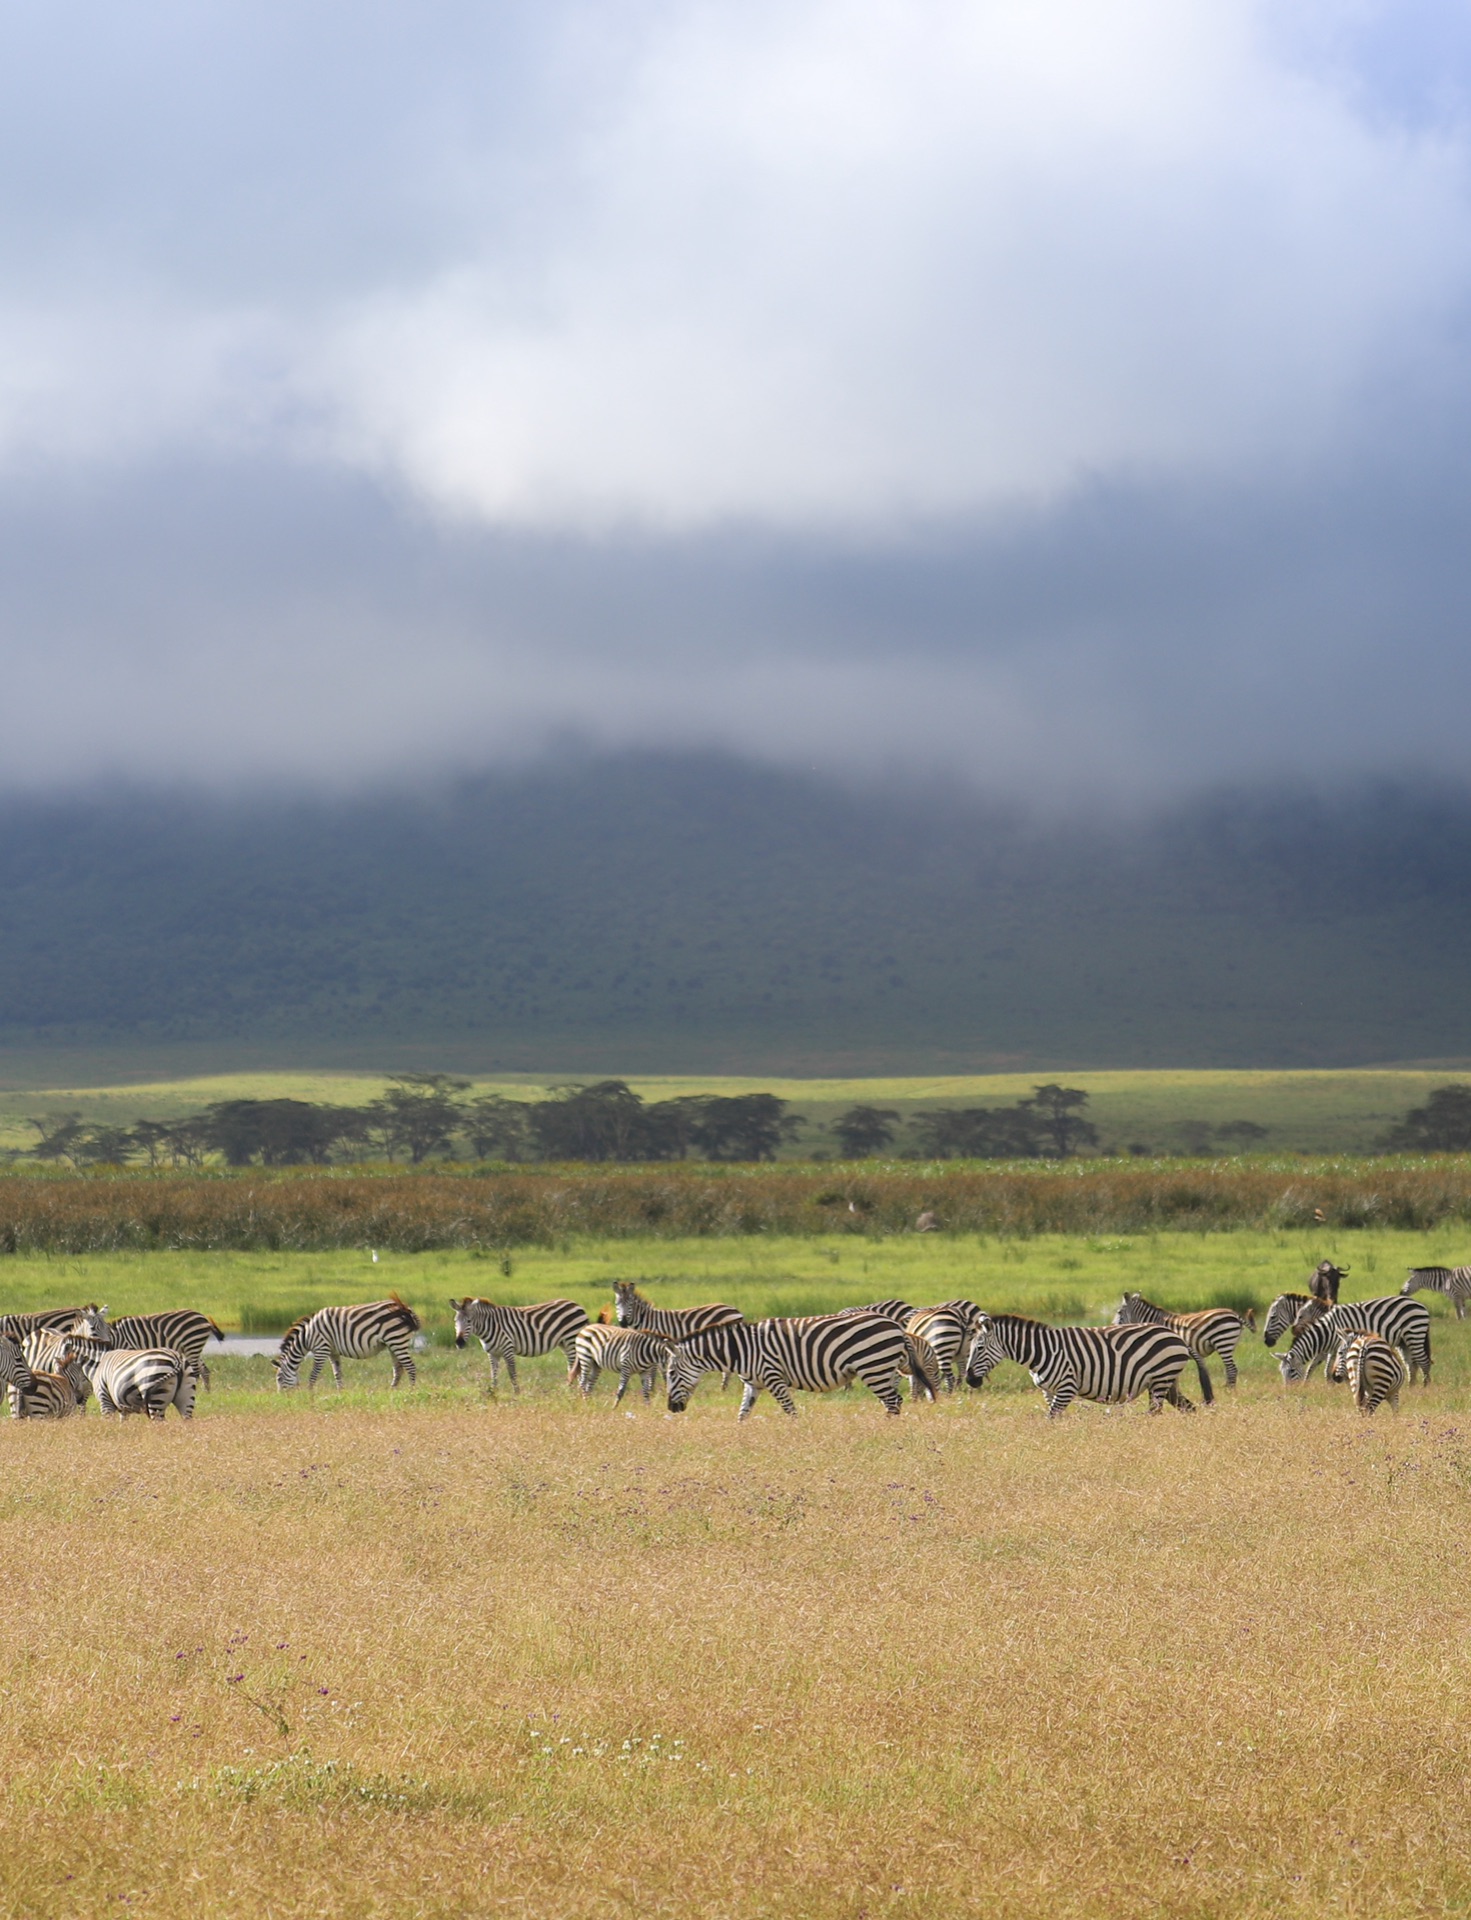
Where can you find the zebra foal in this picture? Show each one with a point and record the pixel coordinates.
(811, 1354)
(1088, 1363)
(1454, 1282)
(1374, 1370)
(626, 1351)
(334, 1334)
(506, 1332)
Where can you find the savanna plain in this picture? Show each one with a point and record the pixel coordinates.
(435, 1653)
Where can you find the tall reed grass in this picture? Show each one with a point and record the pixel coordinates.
(314, 1210)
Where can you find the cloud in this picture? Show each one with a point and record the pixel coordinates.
(1067, 398)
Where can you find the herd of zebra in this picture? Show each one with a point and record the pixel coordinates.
(54, 1360)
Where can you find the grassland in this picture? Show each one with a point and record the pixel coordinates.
(1344, 1111)
(445, 1657)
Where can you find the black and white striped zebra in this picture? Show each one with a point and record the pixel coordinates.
(1088, 1363)
(630, 1309)
(139, 1379)
(1403, 1323)
(334, 1334)
(49, 1352)
(15, 1326)
(1375, 1371)
(626, 1351)
(812, 1354)
(1209, 1330)
(1454, 1282)
(187, 1332)
(506, 1332)
(1285, 1312)
(945, 1330)
(15, 1373)
(51, 1395)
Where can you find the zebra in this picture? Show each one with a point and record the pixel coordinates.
(1454, 1281)
(139, 1379)
(630, 1309)
(1285, 1314)
(813, 1353)
(944, 1330)
(15, 1373)
(1403, 1323)
(1375, 1371)
(51, 1395)
(1216, 1330)
(625, 1351)
(334, 1333)
(186, 1331)
(48, 1352)
(1092, 1363)
(505, 1332)
(15, 1326)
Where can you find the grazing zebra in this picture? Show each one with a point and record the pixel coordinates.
(505, 1332)
(333, 1334)
(47, 1352)
(1091, 1363)
(1374, 1370)
(15, 1373)
(1216, 1330)
(1285, 1313)
(625, 1351)
(1403, 1323)
(139, 1379)
(1453, 1281)
(15, 1326)
(630, 1309)
(186, 1331)
(50, 1396)
(944, 1330)
(813, 1353)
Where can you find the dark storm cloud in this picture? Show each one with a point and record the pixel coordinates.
(1063, 397)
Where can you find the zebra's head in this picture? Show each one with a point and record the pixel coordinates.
(1280, 1316)
(686, 1363)
(464, 1319)
(985, 1353)
(626, 1303)
(1335, 1367)
(91, 1323)
(287, 1361)
(13, 1369)
(1128, 1309)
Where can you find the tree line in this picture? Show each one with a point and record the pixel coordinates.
(428, 1116)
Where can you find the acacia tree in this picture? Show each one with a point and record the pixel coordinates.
(1059, 1117)
(419, 1115)
(1442, 1125)
(863, 1131)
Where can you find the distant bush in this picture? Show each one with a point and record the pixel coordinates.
(307, 1209)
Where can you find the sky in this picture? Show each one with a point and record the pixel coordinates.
(1074, 400)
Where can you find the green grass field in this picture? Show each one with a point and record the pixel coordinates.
(1054, 1276)
(1312, 1112)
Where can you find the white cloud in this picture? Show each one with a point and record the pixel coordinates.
(817, 264)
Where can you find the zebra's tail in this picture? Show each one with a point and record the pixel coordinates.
(923, 1369)
(1207, 1393)
(214, 1329)
(1249, 1316)
(412, 1319)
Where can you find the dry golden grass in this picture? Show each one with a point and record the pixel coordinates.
(961, 1662)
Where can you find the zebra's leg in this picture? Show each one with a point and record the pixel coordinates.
(1228, 1361)
(587, 1375)
(1460, 1306)
(781, 1394)
(886, 1388)
(1205, 1383)
(748, 1398)
(1059, 1399)
(646, 1380)
(495, 1369)
(624, 1376)
(510, 1360)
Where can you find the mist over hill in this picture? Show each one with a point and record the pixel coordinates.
(661, 912)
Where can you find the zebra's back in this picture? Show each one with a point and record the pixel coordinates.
(1375, 1372)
